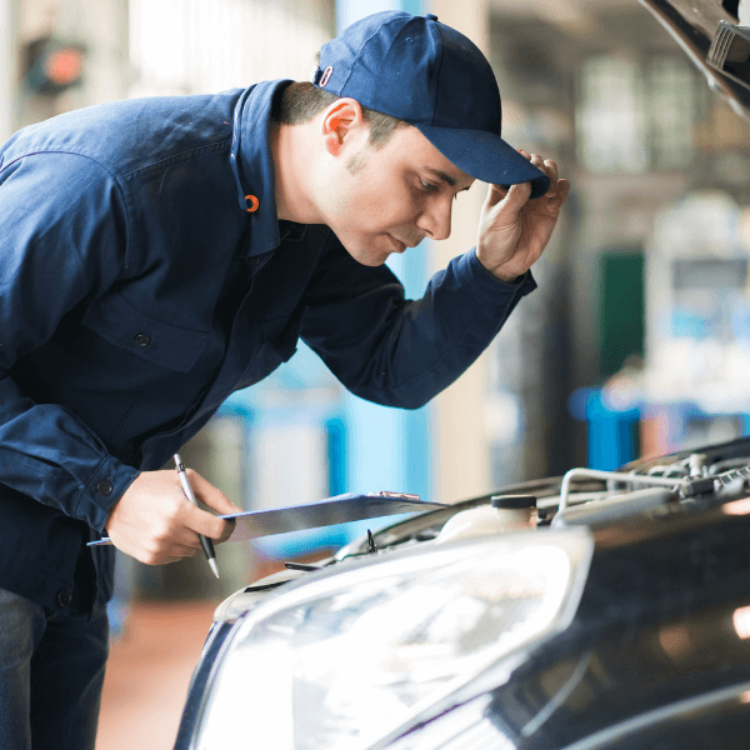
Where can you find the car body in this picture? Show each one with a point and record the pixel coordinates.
(621, 621)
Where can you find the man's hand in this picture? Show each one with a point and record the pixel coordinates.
(513, 231)
(155, 523)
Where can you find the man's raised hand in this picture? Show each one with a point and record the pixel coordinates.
(513, 230)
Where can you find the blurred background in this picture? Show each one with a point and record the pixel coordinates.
(636, 342)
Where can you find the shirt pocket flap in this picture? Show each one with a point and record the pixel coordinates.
(153, 340)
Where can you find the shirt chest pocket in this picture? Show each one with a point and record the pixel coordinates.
(152, 340)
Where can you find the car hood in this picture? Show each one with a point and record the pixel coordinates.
(706, 30)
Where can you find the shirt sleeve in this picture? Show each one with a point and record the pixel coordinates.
(399, 352)
(63, 243)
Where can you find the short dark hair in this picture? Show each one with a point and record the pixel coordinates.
(301, 101)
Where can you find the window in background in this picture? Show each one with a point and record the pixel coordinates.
(610, 119)
(635, 117)
(204, 46)
(673, 110)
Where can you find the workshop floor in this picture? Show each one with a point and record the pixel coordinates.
(148, 674)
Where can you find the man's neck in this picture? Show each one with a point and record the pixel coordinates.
(292, 148)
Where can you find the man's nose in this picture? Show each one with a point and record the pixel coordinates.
(435, 219)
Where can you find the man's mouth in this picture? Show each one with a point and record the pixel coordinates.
(399, 247)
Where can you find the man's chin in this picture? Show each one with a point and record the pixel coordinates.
(370, 262)
(367, 256)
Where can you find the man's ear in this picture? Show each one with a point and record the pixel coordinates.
(342, 121)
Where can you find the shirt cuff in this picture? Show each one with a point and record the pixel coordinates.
(104, 488)
(487, 288)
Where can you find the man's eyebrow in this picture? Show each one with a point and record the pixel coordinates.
(443, 176)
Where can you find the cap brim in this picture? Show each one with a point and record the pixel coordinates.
(486, 157)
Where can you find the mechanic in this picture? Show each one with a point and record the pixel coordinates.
(159, 254)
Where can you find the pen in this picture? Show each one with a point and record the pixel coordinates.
(208, 547)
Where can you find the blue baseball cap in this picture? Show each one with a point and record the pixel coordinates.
(421, 71)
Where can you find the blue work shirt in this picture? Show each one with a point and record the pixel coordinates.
(137, 292)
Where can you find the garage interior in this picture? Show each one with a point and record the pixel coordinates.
(634, 344)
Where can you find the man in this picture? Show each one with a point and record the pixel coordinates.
(159, 254)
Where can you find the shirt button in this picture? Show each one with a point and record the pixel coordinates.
(142, 339)
(63, 598)
(104, 488)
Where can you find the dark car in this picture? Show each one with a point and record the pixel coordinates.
(621, 621)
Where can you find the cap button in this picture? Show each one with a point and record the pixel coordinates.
(431, 17)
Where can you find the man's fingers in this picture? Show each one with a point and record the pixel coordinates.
(174, 531)
(563, 188)
(537, 161)
(548, 166)
(182, 539)
(561, 193)
(175, 553)
(155, 523)
(185, 550)
(550, 169)
(202, 522)
(518, 195)
(228, 530)
(217, 529)
(210, 496)
(495, 195)
(209, 525)
(158, 550)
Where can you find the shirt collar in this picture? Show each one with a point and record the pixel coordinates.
(252, 163)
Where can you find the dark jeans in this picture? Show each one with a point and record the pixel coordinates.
(51, 675)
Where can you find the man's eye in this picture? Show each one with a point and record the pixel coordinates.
(428, 187)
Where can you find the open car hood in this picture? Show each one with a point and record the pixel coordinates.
(716, 42)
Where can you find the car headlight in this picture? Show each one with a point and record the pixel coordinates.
(343, 660)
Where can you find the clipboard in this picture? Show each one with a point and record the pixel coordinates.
(329, 512)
